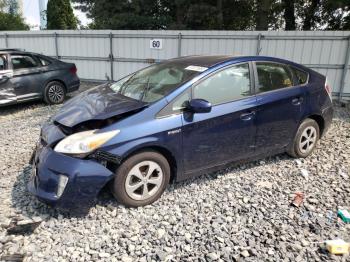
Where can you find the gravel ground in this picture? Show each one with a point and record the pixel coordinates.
(242, 213)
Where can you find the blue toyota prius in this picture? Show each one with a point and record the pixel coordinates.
(174, 120)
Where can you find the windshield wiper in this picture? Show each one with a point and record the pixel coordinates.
(146, 90)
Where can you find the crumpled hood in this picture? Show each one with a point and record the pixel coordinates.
(99, 103)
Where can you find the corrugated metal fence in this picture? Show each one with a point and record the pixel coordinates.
(102, 55)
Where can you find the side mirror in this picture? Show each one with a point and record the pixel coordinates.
(198, 106)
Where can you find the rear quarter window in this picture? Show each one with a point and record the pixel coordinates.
(301, 76)
(43, 61)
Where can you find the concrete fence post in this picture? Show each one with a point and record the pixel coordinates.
(179, 40)
(258, 46)
(345, 70)
(56, 45)
(111, 55)
(6, 40)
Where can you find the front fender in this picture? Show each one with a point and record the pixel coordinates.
(171, 144)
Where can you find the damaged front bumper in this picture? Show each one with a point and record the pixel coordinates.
(66, 182)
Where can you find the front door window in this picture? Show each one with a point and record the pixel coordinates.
(227, 85)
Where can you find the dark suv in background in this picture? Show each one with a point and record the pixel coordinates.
(29, 76)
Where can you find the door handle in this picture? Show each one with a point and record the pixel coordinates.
(297, 101)
(247, 116)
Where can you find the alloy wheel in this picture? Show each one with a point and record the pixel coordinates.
(56, 93)
(144, 180)
(308, 139)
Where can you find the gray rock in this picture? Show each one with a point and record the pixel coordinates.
(213, 256)
(126, 258)
(160, 233)
(161, 255)
(241, 213)
(245, 253)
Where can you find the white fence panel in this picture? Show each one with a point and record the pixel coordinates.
(78, 46)
(122, 69)
(3, 41)
(91, 69)
(42, 45)
(105, 54)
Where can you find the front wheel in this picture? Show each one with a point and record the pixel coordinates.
(54, 93)
(305, 139)
(141, 179)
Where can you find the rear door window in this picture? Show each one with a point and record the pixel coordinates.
(23, 61)
(272, 76)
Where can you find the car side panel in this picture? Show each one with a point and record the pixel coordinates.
(148, 132)
(278, 117)
(162, 133)
(318, 101)
(7, 91)
(27, 82)
(218, 137)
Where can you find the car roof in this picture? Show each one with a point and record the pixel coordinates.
(21, 52)
(12, 50)
(16, 51)
(213, 60)
(200, 60)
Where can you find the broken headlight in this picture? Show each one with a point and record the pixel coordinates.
(84, 142)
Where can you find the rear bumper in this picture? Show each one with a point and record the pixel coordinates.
(85, 180)
(327, 115)
(73, 85)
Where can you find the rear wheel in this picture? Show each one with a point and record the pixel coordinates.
(305, 139)
(141, 179)
(54, 93)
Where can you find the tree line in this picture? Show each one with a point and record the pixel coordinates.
(218, 14)
(59, 16)
(189, 14)
(9, 17)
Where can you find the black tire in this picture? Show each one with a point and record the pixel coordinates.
(54, 93)
(296, 150)
(119, 185)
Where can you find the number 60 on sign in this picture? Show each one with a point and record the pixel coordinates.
(156, 43)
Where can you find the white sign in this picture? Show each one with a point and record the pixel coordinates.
(196, 68)
(156, 43)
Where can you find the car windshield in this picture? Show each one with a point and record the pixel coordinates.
(155, 82)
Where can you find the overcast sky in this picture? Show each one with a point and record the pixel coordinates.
(31, 14)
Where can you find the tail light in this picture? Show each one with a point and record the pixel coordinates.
(73, 70)
(328, 89)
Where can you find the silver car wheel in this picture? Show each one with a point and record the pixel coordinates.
(56, 93)
(144, 180)
(308, 140)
